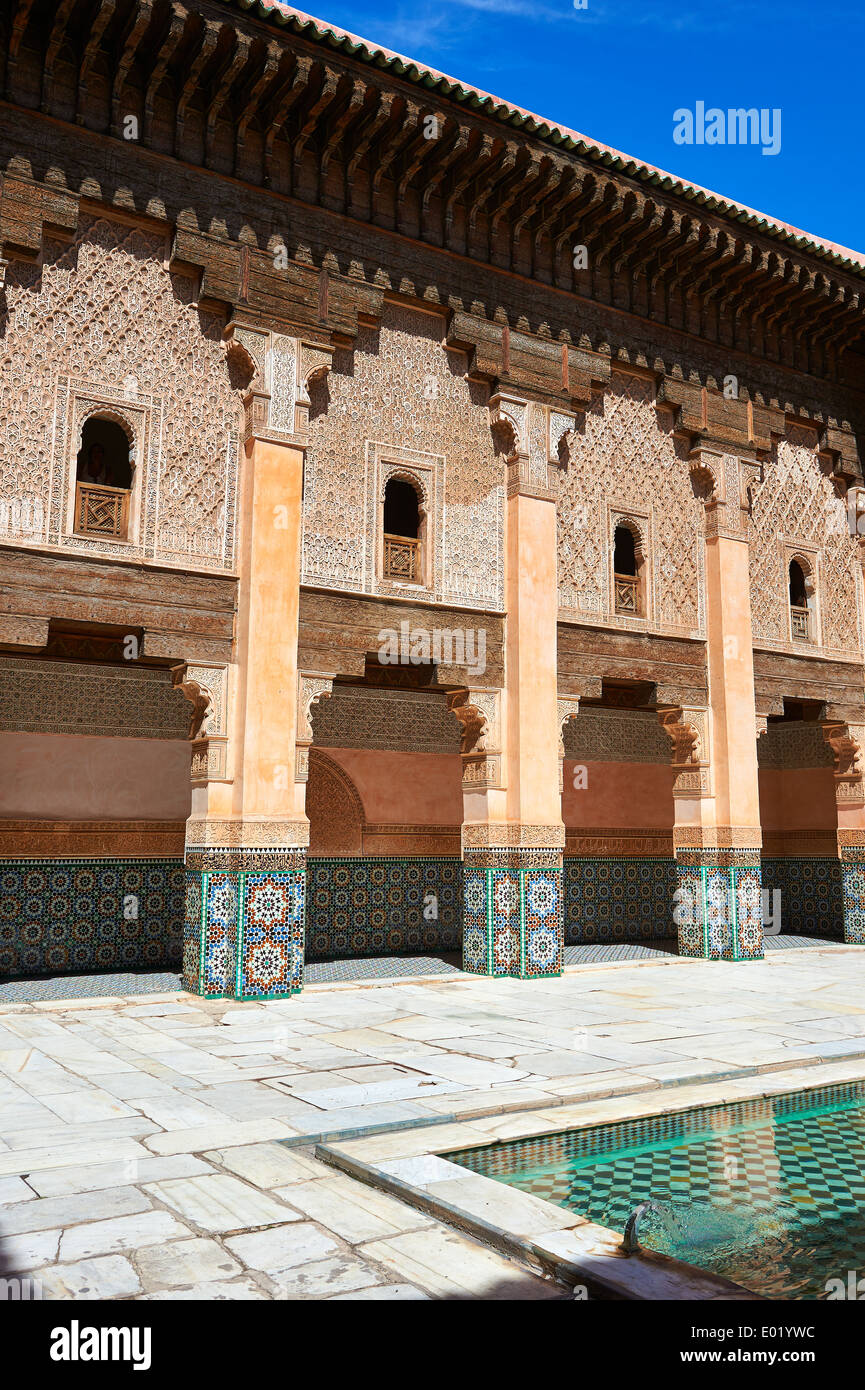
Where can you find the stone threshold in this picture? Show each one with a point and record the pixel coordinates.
(558, 1244)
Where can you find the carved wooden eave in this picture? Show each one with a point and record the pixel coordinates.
(270, 98)
(553, 373)
(294, 299)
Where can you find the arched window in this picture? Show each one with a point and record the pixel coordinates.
(103, 479)
(800, 602)
(627, 566)
(403, 532)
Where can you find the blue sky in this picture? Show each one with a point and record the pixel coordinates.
(618, 69)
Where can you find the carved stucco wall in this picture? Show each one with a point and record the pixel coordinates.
(401, 720)
(625, 463)
(102, 326)
(793, 745)
(796, 511)
(616, 736)
(401, 399)
(67, 697)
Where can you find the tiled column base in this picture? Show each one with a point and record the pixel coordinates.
(719, 908)
(513, 919)
(853, 891)
(243, 936)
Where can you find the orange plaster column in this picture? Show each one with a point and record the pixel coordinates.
(513, 836)
(247, 835)
(847, 741)
(717, 835)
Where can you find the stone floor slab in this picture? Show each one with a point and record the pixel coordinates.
(220, 1202)
(112, 1276)
(282, 1247)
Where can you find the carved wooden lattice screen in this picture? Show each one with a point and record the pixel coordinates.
(101, 511)
(401, 558)
(626, 593)
(800, 623)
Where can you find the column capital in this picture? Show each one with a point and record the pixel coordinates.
(479, 714)
(724, 479)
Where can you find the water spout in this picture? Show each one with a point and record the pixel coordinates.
(630, 1241)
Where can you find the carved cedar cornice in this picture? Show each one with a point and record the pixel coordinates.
(499, 187)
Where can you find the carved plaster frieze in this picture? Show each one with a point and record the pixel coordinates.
(509, 420)
(561, 427)
(507, 835)
(313, 362)
(725, 482)
(312, 686)
(246, 834)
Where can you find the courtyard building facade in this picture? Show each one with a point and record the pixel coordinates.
(422, 529)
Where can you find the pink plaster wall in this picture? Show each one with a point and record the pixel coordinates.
(619, 796)
(405, 788)
(797, 799)
(72, 777)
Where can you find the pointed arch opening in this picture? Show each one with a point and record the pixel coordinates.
(104, 472)
(628, 572)
(801, 597)
(403, 526)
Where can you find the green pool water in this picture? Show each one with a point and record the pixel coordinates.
(769, 1193)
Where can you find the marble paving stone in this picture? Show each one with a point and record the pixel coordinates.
(194, 1261)
(29, 1251)
(282, 1247)
(384, 1293)
(68, 1155)
(50, 1212)
(380, 1093)
(38, 1073)
(14, 1190)
(269, 1165)
(124, 1233)
(450, 1266)
(325, 1278)
(220, 1202)
(557, 1064)
(95, 1131)
(112, 1276)
(179, 1112)
(218, 1136)
(57, 1182)
(353, 1210)
(357, 1117)
(215, 1291)
(472, 1070)
(83, 1107)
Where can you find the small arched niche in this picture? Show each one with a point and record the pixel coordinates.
(801, 599)
(403, 526)
(104, 472)
(628, 572)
